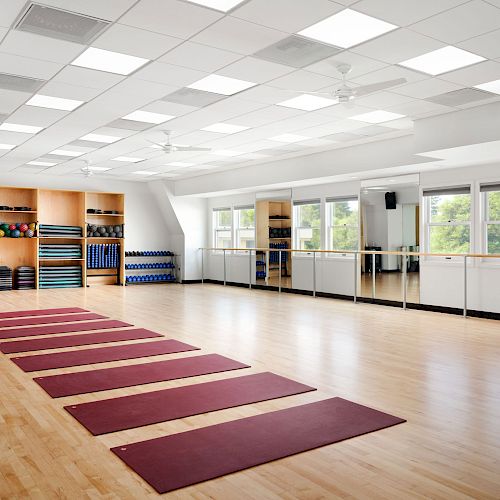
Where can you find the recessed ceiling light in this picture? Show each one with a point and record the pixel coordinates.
(98, 169)
(308, 102)
(179, 164)
(66, 152)
(493, 86)
(225, 128)
(128, 159)
(289, 138)
(147, 117)
(144, 172)
(7, 146)
(226, 152)
(41, 163)
(46, 101)
(378, 116)
(442, 60)
(108, 139)
(347, 28)
(221, 85)
(106, 60)
(222, 5)
(16, 127)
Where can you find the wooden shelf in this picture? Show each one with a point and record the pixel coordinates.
(103, 238)
(105, 215)
(43, 259)
(18, 211)
(60, 238)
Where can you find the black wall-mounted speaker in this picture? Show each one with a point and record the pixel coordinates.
(390, 201)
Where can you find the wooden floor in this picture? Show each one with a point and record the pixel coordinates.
(389, 286)
(440, 372)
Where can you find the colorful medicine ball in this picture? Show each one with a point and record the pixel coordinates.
(15, 233)
(32, 226)
(2, 233)
(23, 227)
(29, 233)
(12, 227)
(4, 227)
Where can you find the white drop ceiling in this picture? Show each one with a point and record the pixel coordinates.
(256, 46)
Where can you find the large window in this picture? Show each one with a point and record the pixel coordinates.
(491, 209)
(222, 224)
(244, 218)
(343, 223)
(448, 220)
(307, 224)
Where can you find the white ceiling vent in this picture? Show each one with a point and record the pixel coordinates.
(19, 83)
(460, 97)
(60, 24)
(296, 51)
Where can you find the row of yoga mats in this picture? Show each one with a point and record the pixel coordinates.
(60, 251)
(60, 277)
(179, 460)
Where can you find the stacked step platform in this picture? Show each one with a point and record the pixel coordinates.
(24, 278)
(60, 277)
(5, 278)
(60, 251)
(49, 230)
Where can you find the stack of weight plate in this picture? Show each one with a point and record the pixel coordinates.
(58, 252)
(5, 278)
(24, 278)
(60, 277)
(62, 231)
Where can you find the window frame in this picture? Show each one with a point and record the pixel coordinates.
(484, 189)
(296, 228)
(237, 228)
(330, 227)
(216, 228)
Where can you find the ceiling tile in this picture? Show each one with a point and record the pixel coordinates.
(303, 81)
(200, 57)
(10, 10)
(342, 137)
(401, 124)
(170, 17)
(193, 97)
(59, 89)
(398, 46)
(100, 80)
(96, 8)
(169, 108)
(169, 74)
(390, 73)
(404, 12)
(427, 88)
(10, 100)
(474, 75)
(463, 22)
(461, 97)
(255, 70)
(266, 115)
(266, 94)
(41, 117)
(129, 125)
(372, 130)
(487, 45)
(286, 15)
(419, 108)
(382, 100)
(40, 47)
(135, 42)
(16, 138)
(24, 66)
(241, 36)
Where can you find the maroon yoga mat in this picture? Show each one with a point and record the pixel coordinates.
(48, 319)
(41, 312)
(70, 384)
(76, 340)
(100, 354)
(117, 414)
(179, 460)
(33, 331)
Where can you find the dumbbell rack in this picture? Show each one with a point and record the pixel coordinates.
(150, 259)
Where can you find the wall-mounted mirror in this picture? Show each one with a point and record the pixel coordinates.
(390, 215)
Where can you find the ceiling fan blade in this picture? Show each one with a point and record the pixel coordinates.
(376, 87)
(191, 148)
(312, 93)
(162, 146)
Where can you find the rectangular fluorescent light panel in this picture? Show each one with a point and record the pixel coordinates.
(221, 5)
(378, 116)
(144, 172)
(66, 152)
(442, 60)
(7, 146)
(46, 101)
(16, 127)
(107, 139)
(147, 117)
(347, 28)
(493, 86)
(179, 164)
(128, 159)
(308, 102)
(106, 60)
(41, 163)
(221, 85)
(225, 128)
(289, 138)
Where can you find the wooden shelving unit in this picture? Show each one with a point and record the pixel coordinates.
(65, 208)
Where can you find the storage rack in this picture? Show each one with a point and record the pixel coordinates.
(59, 207)
(144, 258)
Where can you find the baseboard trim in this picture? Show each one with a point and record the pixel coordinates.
(366, 300)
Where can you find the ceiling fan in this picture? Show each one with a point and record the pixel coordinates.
(344, 93)
(168, 147)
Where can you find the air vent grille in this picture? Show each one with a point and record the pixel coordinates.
(460, 96)
(60, 24)
(19, 83)
(193, 97)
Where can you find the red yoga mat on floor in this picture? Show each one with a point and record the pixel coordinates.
(117, 414)
(41, 312)
(48, 319)
(70, 384)
(33, 331)
(179, 460)
(76, 340)
(100, 354)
